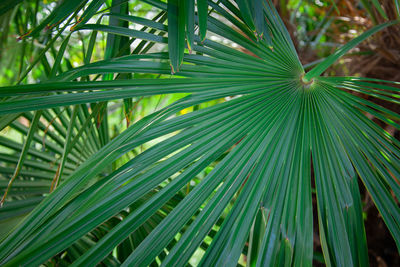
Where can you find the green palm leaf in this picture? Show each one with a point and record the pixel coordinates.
(276, 130)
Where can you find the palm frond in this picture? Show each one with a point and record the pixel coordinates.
(278, 128)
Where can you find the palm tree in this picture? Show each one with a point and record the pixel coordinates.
(232, 175)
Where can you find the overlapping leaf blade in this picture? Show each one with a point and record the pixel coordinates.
(262, 144)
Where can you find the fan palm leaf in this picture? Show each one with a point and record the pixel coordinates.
(279, 128)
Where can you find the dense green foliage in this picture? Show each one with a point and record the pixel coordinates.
(221, 172)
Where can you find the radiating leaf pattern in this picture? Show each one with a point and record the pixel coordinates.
(279, 129)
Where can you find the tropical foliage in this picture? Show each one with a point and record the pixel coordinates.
(221, 173)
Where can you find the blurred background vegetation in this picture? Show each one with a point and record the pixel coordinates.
(317, 27)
